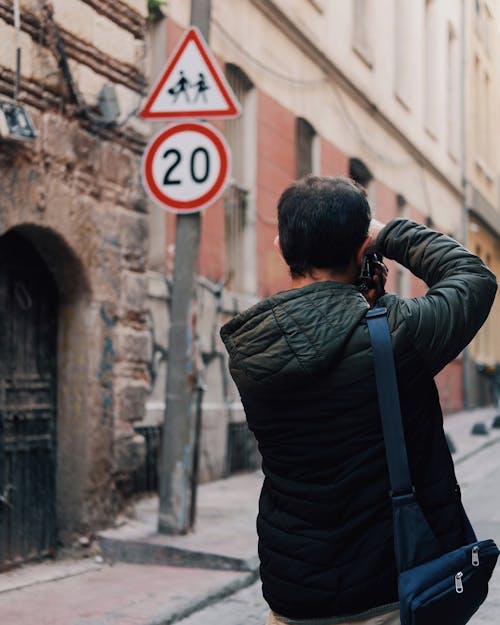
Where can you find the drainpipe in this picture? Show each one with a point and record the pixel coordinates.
(466, 363)
(17, 26)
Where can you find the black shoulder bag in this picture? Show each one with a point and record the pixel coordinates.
(435, 588)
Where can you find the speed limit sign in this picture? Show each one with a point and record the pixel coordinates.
(186, 166)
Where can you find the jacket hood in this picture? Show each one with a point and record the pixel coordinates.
(295, 335)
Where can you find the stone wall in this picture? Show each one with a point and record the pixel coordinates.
(75, 193)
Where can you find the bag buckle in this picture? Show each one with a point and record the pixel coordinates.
(413, 491)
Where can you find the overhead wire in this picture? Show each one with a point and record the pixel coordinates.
(56, 44)
(378, 155)
(142, 91)
(324, 81)
(297, 82)
(389, 162)
(341, 107)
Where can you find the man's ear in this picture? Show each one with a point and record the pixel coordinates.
(363, 249)
(277, 245)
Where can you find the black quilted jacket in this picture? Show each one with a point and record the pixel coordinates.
(303, 364)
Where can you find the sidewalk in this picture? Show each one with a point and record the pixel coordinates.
(147, 579)
(162, 578)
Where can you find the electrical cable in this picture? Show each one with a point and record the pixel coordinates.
(297, 82)
(342, 108)
(379, 156)
(325, 81)
(142, 91)
(56, 44)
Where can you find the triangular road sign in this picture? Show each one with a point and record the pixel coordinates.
(191, 85)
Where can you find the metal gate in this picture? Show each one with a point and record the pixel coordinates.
(242, 454)
(28, 331)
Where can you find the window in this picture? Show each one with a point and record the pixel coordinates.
(477, 107)
(403, 79)
(486, 120)
(239, 202)
(477, 17)
(361, 31)
(483, 342)
(359, 172)
(453, 94)
(483, 24)
(482, 119)
(430, 67)
(307, 146)
(486, 29)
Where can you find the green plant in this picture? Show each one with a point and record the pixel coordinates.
(155, 7)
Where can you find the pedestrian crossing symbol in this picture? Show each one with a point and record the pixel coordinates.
(191, 85)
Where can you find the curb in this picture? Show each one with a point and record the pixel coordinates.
(199, 604)
(472, 453)
(140, 552)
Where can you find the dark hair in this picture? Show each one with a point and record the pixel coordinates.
(322, 222)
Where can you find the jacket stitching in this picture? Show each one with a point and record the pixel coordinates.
(301, 365)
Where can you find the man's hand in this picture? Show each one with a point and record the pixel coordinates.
(374, 228)
(379, 278)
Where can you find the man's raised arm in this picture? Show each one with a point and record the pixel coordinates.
(461, 289)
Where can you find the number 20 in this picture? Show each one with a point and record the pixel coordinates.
(167, 179)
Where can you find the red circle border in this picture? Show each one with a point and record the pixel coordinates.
(199, 203)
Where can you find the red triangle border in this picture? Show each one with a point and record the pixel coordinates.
(232, 110)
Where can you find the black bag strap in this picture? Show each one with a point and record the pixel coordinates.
(388, 398)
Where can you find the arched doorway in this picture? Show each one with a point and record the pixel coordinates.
(28, 374)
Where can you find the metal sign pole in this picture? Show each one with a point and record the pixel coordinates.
(176, 452)
(17, 26)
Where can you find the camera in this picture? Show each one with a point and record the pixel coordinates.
(373, 264)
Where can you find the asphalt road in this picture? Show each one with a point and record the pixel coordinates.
(479, 476)
(245, 607)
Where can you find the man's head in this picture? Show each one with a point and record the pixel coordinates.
(323, 223)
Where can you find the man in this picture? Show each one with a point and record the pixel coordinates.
(303, 364)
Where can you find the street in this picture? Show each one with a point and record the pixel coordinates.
(479, 476)
(245, 607)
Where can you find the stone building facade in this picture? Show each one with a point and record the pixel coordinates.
(73, 214)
